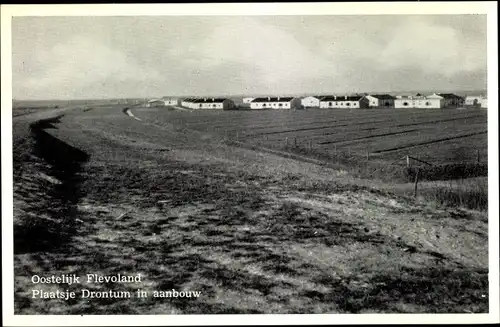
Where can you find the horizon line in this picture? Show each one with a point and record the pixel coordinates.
(480, 91)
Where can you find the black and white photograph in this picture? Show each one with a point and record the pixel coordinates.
(318, 160)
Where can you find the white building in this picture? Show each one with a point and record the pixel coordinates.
(381, 100)
(474, 100)
(484, 103)
(275, 103)
(171, 101)
(187, 101)
(208, 103)
(433, 101)
(334, 101)
(155, 103)
(311, 101)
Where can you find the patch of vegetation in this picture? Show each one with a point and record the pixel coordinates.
(459, 193)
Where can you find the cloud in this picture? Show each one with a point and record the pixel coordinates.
(432, 48)
(417, 43)
(80, 63)
(272, 55)
(153, 56)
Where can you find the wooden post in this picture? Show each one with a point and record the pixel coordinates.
(416, 183)
(349, 151)
(335, 148)
(367, 155)
(478, 157)
(237, 135)
(310, 145)
(407, 161)
(286, 141)
(295, 142)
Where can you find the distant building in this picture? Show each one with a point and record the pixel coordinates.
(381, 100)
(275, 103)
(155, 103)
(311, 101)
(474, 100)
(433, 101)
(334, 101)
(171, 101)
(484, 102)
(247, 100)
(451, 100)
(208, 103)
(187, 102)
(403, 101)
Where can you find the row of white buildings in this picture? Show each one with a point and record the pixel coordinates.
(359, 101)
(208, 103)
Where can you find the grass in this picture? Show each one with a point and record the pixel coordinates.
(464, 193)
(255, 232)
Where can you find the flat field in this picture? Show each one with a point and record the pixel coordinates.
(98, 192)
(440, 136)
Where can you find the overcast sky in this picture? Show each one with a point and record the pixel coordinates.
(110, 57)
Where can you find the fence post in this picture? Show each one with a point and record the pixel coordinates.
(407, 161)
(478, 157)
(237, 135)
(416, 183)
(367, 155)
(310, 145)
(295, 142)
(335, 148)
(286, 141)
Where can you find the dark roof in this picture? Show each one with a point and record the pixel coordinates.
(449, 95)
(383, 96)
(211, 100)
(342, 98)
(315, 96)
(273, 99)
(205, 100)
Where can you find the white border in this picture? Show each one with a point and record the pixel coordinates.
(493, 165)
(373, 8)
(259, 9)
